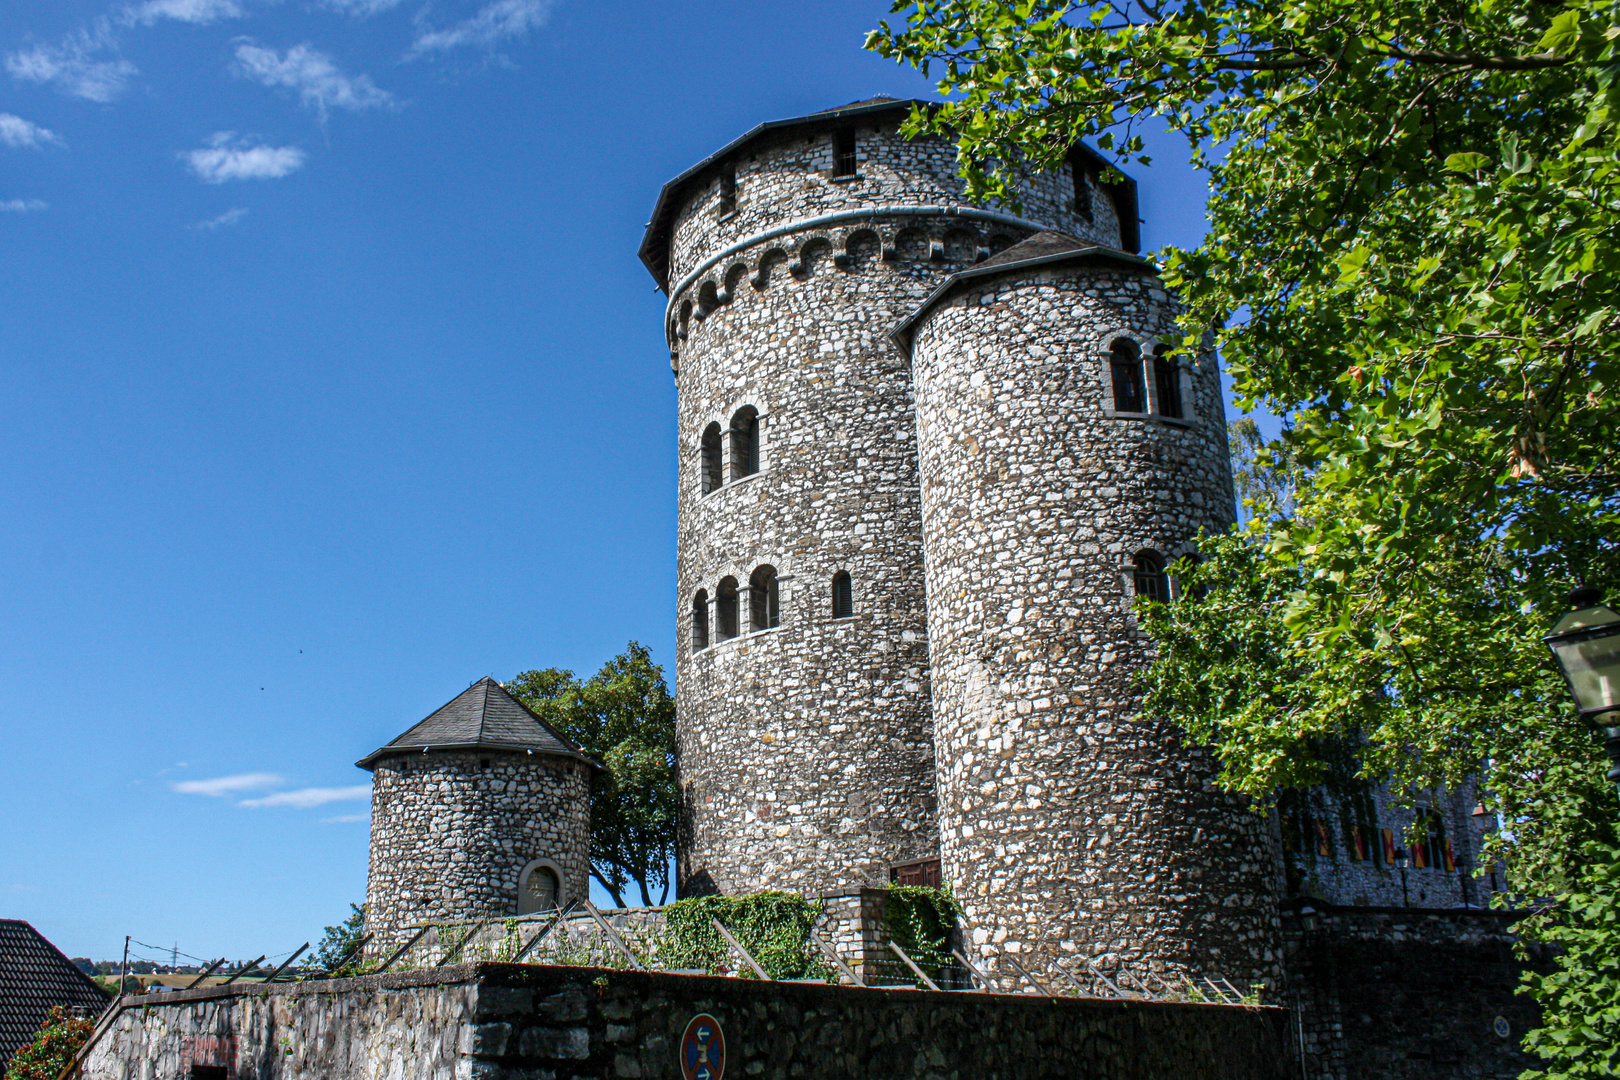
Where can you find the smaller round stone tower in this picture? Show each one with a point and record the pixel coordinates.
(1066, 464)
(479, 810)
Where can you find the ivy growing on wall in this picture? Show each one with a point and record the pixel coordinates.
(919, 919)
(773, 926)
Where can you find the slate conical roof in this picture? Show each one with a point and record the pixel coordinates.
(482, 717)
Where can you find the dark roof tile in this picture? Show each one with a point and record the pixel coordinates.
(483, 716)
(34, 975)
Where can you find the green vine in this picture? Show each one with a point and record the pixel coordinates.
(773, 926)
(919, 919)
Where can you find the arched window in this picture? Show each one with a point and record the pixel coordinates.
(539, 888)
(700, 620)
(1151, 584)
(1166, 383)
(764, 601)
(725, 609)
(745, 442)
(843, 596)
(710, 463)
(1126, 369)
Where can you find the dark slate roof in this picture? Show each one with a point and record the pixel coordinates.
(482, 717)
(1041, 249)
(655, 242)
(34, 975)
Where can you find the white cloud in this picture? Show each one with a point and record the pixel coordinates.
(229, 217)
(304, 798)
(75, 67)
(228, 785)
(493, 23)
(362, 8)
(22, 206)
(228, 158)
(344, 819)
(319, 83)
(190, 11)
(15, 131)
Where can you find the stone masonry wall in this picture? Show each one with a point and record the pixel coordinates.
(805, 750)
(450, 837)
(1073, 828)
(500, 1021)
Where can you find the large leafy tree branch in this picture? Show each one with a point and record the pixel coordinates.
(624, 717)
(1411, 256)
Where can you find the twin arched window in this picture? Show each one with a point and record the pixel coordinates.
(728, 456)
(1125, 371)
(1149, 578)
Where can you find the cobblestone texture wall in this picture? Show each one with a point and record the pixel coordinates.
(806, 750)
(499, 1021)
(1408, 995)
(450, 837)
(1073, 828)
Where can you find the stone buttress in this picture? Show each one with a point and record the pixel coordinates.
(805, 740)
(1073, 829)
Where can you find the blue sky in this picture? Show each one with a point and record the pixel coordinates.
(330, 383)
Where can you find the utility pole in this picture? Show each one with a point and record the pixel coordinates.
(123, 971)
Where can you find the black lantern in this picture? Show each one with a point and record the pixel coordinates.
(1586, 644)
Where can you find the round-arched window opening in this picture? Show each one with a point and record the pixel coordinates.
(539, 888)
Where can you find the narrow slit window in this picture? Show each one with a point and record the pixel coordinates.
(764, 600)
(1082, 190)
(744, 442)
(725, 603)
(843, 596)
(1167, 383)
(1125, 364)
(700, 620)
(728, 190)
(843, 142)
(1150, 580)
(709, 464)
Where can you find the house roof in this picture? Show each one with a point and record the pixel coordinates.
(482, 717)
(654, 250)
(34, 975)
(1041, 249)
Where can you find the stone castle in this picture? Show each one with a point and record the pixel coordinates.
(930, 455)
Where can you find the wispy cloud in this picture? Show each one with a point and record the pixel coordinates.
(343, 819)
(304, 798)
(229, 217)
(228, 785)
(228, 158)
(76, 67)
(190, 11)
(22, 206)
(316, 79)
(15, 131)
(494, 23)
(362, 8)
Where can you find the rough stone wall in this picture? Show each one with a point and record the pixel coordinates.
(1073, 828)
(450, 837)
(1407, 995)
(805, 750)
(499, 1021)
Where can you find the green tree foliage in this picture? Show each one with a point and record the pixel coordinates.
(59, 1038)
(332, 954)
(1411, 255)
(624, 717)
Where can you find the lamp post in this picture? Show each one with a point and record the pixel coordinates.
(1586, 644)
(1402, 860)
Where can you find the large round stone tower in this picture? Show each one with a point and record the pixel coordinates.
(806, 748)
(1064, 468)
(479, 810)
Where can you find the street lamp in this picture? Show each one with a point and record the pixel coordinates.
(1586, 644)
(1402, 861)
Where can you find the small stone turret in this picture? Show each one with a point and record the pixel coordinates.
(479, 810)
(1064, 468)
